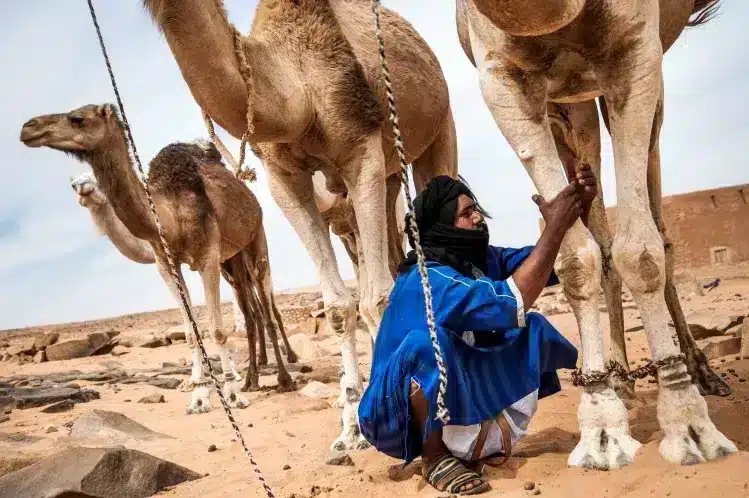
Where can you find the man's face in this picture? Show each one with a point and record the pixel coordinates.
(468, 217)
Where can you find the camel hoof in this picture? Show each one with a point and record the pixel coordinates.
(292, 357)
(250, 385)
(285, 384)
(690, 435)
(201, 401)
(340, 402)
(350, 442)
(605, 443)
(710, 384)
(233, 398)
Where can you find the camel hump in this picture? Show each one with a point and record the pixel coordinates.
(176, 168)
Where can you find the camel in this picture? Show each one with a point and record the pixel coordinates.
(318, 104)
(91, 197)
(210, 219)
(544, 61)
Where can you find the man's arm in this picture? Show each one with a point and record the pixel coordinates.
(560, 214)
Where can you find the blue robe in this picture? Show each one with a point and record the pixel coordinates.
(514, 353)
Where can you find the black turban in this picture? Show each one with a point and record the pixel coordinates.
(435, 210)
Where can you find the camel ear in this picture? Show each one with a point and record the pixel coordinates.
(106, 111)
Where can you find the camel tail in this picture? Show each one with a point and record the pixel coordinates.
(703, 12)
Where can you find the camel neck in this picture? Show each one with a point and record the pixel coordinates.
(202, 42)
(123, 188)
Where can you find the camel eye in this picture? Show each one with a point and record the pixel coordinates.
(76, 120)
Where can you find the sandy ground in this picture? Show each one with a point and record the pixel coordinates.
(295, 431)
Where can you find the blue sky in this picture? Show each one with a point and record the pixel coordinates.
(54, 266)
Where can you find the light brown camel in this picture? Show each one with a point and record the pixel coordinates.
(320, 105)
(104, 217)
(545, 61)
(211, 222)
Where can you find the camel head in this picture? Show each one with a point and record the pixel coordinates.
(89, 194)
(80, 132)
(529, 17)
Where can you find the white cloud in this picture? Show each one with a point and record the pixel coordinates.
(57, 269)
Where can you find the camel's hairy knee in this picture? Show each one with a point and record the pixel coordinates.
(219, 337)
(337, 315)
(578, 273)
(641, 266)
(191, 341)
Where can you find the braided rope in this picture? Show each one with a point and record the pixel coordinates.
(133, 153)
(248, 174)
(616, 369)
(442, 412)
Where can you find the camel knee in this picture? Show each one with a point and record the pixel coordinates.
(219, 337)
(579, 269)
(341, 314)
(640, 258)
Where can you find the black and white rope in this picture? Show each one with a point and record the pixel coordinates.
(133, 152)
(442, 412)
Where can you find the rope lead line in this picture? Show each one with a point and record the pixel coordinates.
(442, 412)
(133, 152)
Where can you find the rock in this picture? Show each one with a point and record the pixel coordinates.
(61, 406)
(701, 332)
(176, 335)
(15, 359)
(125, 342)
(50, 429)
(113, 472)
(12, 461)
(151, 341)
(304, 347)
(152, 399)
(715, 347)
(339, 458)
(687, 285)
(119, 350)
(46, 340)
(112, 333)
(318, 390)
(101, 343)
(743, 335)
(75, 348)
(4, 344)
(40, 357)
(212, 448)
(165, 383)
(536, 491)
(3, 418)
(287, 467)
(529, 485)
(111, 427)
(35, 397)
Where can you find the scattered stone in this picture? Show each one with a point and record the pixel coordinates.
(304, 347)
(4, 418)
(36, 397)
(176, 336)
(61, 406)
(339, 458)
(715, 347)
(165, 382)
(303, 368)
(151, 341)
(112, 333)
(212, 448)
(75, 348)
(4, 344)
(318, 390)
(112, 427)
(536, 491)
(76, 472)
(128, 400)
(10, 462)
(43, 341)
(152, 399)
(40, 357)
(287, 467)
(250, 425)
(529, 485)
(125, 342)
(50, 429)
(15, 359)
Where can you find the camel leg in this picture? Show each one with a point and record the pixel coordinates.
(440, 158)
(632, 84)
(210, 274)
(698, 366)
(235, 273)
(578, 140)
(239, 324)
(294, 195)
(396, 255)
(262, 354)
(257, 259)
(516, 99)
(201, 393)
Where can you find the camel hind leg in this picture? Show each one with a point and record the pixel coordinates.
(578, 140)
(256, 263)
(234, 273)
(708, 382)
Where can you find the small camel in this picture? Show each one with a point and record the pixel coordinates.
(93, 199)
(544, 61)
(210, 219)
(319, 104)
(104, 217)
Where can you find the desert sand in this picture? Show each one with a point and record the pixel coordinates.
(289, 434)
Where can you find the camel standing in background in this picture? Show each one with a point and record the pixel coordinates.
(211, 221)
(319, 104)
(543, 61)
